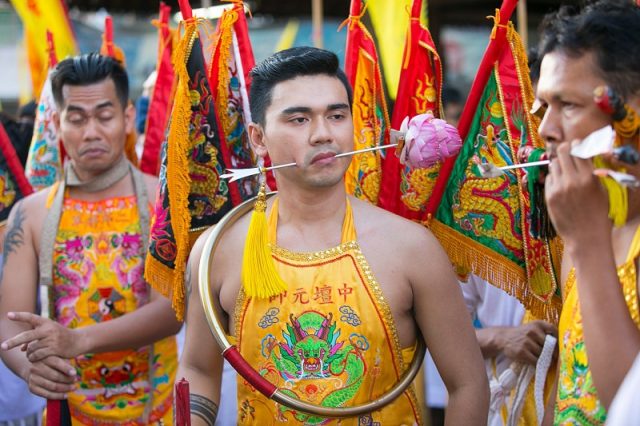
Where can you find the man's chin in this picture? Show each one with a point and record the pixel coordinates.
(95, 167)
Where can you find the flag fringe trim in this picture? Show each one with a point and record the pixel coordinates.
(178, 180)
(474, 257)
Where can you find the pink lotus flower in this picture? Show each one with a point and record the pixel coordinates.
(428, 140)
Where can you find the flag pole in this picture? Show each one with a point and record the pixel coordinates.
(317, 20)
(523, 28)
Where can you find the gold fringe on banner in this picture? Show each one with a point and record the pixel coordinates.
(469, 256)
(167, 281)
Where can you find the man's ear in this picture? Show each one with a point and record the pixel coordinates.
(256, 139)
(56, 120)
(129, 118)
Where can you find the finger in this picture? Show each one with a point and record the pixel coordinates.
(25, 337)
(50, 386)
(537, 333)
(565, 160)
(39, 354)
(555, 169)
(52, 375)
(528, 357)
(26, 317)
(44, 393)
(549, 328)
(533, 349)
(60, 365)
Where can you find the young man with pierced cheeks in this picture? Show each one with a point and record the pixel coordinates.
(363, 284)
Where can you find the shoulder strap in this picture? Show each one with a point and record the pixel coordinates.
(348, 228)
(634, 249)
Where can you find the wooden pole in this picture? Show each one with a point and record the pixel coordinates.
(522, 23)
(317, 18)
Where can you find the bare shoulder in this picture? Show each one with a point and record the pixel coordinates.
(396, 232)
(34, 208)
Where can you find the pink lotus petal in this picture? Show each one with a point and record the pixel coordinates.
(429, 140)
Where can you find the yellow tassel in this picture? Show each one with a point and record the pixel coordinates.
(260, 278)
(618, 195)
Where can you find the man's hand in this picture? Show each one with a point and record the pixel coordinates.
(47, 338)
(525, 342)
(577, 202)
(51, 378)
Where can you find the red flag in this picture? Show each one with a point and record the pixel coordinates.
(483, 224)
(109, 48)
(13, 183)
(405, 191)
(160, 103)
(370, 116)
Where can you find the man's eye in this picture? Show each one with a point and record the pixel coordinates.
(76, 119)
(337, 116)
(105, 117)
(298, 120)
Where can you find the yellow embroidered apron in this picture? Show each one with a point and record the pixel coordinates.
(577, 399)
(329, 339)
(97, 276)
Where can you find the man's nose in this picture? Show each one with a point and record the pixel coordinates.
(91, 129)
(321, 132)
(550, 127)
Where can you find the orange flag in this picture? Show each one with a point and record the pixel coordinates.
(370, 116)
(38, 17)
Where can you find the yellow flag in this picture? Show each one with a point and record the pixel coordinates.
(38, 17)
(390, 21)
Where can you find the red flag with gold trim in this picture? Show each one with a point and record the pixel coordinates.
(370, 116)
(483, 223)
(160, 102)
(405, 191)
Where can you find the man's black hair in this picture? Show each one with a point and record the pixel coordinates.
(533, 61)
(286, 65)
(610, 29)
(86, 69)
